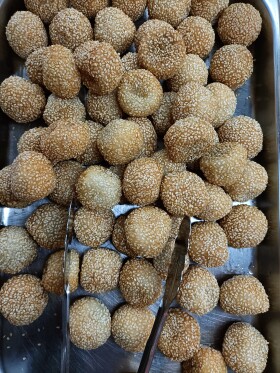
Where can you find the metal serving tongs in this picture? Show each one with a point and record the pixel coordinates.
(171, 288)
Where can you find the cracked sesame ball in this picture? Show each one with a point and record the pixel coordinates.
(30, 140)
(147, 230)
(89, 323)
(205, 360)
(162, 159)
(208, 9)
(47, 9)
(100, 270)
(232, 65)
(173, 11)
(17, 249)
(88, 7)
(103, 109)
(245, 349)
(149, 135)
(92, 155)
(180, 336)
(162, 117)
(21, 100)
(34, 65)
(244, 226)
(119, 239)
(133, 8)
(130, 61)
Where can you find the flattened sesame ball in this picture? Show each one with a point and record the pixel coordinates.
(47, 9)
(133, 8)
(180, 337)
(131, 327)
(90, 323)
(21, 100)
(149, 135)
(245, 349)
(232, 65)
(161, 157)
(34, 65)
(88, 7)
(92, 155)
(205, 360)
(119, 239)
(244, 226)
(139, 93)
(173, 11)
(30, 140)
(113, 26)
(147, 230)
(208, 9)
(130, 61)
(162, 117)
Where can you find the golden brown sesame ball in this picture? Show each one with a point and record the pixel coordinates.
(100, 270)
(34, 65)
(119, 239)
(30, 140)
(118, 170)
(224, 163)
(21, 100)
(232, 65)
(133, 8)
(173, 11)
(47, 9)
(92, 155)
(130, 61)
(244, 130)
(180, 337)
(205, 360)
(149, 135)
(120, 141)
(17, 249)
(88, 7)
(67, 174)
(90, 323)
(183, 193)
(245, 349)
(93, 228)
(161, 157)
(208, 9)
(103, 109)
(162, 117)
(144, 30)
(147, 230)
(244, 226)
(131, 327)
(139, 93)
(113, 26)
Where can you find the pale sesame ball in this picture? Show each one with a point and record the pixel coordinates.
(93, 228)
(22, 299)
(183, 193)
(30, 140)
(47, 9)
(205, 360)
(17, 249)
(90, 323)
(92, 155)
(139, 93)
(25, 33)
(244, 226)
(149, 135)
(88, 7)
(244, 130)
(173, 11)
(133, 8)
(119, 239)
(147, 230)
(113, 26)
(180, 336)
(103, 109)
(208, 244)
(162, 117)
(245, 349)
(120, 141)
(34, 65)
(21, 100)
(131, 327)
(130, 61)
(162, 159)
(232, 65)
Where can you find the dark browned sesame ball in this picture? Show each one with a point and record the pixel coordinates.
(208, 9)
(34, 65)
(88, 7)
(162, 159)
(103, 109)
(162, 117)
(119, 239)
(92, 155)
(205, 360)
(171, 11)
(30, 140)
(149, 135)
(133, 8)
(46, 10)
(130, 61)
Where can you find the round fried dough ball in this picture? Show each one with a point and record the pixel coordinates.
(149, 135)
(144, 30)
(180, 336)
(30, 140)
(139, 93)
(244, 226)
(131, 327)
(162, 117)
(22, 299)
(21, 100)
(245, 349)
(103, 109)
(90, 323)
(147, 230)
(34, 65)
(232, 65)
(172, 12)
(162, 159)
(130, 61)
(119, 239)
(6, 196)
(133, 8)
(205, 360)
(88, 7)
(208, 9)
(46, 9)
(92, 155)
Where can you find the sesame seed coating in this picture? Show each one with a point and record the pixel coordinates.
(244, 226)
(30, 140)
(208, 9)
(245, 349)
(232, 65)
(205, 360)
(133, 8)
(118, 170)
(144, 30)
(21, 100)
(90, 323)
(88, 7)
(161, 157)
(17, 249)
(92, 155)
(47, 9)
(22, 299)
(103, 109)
(173, 11)
(149, 135)
(162, 117)
(47, 225)
(34, 65)
(180, 337)
(119, 239)
(130, 61)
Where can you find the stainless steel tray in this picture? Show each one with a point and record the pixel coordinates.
(37, 348)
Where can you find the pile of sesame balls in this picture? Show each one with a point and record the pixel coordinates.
(108, 150)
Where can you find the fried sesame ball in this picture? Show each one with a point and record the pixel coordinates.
(113, 26)
(6, 196)
(205, 360)
(22, 299)
(232, 65)
(180, 337)
(88, 7)
(224, 163)
(32, 177)
(103, 109)
(130, 61)
(120, 141)
(162, 117)
(172, 12)
(47, 9)
(244, 226)
(144, 30)
(34, 65)
(17, 249)
(147, 230)
(30, 140)
(183, 193)
(245, 349)
(149, 135)
(161, 157)
(208, 9)
(59, 108)
(92, 155)
(131, 327)
(90, 323)
(67, 174)
(93, 228)
(133, 8)
(119, 239)
(53, 273)
(25, 33)
(21, 100)
(118, 170)
(139, 93)
(189, 138)
(244, 130)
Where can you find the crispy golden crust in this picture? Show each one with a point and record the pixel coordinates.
(133, 8)
(205, 360)
(173, 11)
(47, 9)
